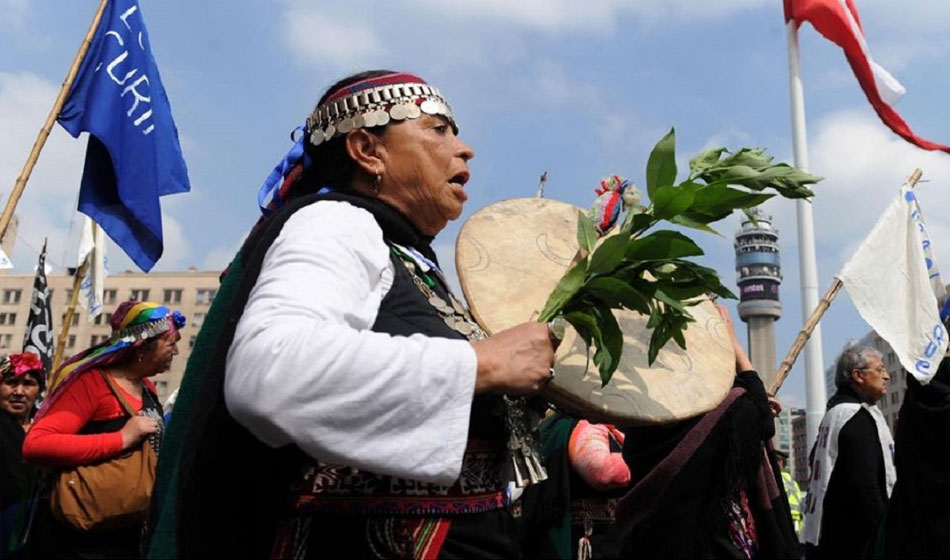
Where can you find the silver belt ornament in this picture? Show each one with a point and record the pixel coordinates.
(523, 464)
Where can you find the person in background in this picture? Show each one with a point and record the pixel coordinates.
(571, 516)
(23, 378)
(852, 461)
(917, 522)
(82, 421)
(792, 490)
(708, 487)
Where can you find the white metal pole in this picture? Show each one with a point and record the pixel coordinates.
(816, 397)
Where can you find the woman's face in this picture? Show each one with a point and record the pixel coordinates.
(425, 171)
(17, 394)
(159, 357)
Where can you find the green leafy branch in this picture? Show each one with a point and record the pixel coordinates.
(650, 272)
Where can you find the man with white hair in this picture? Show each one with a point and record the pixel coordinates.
(852, 461)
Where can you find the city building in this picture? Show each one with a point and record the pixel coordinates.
(190, 292)
(800, 451)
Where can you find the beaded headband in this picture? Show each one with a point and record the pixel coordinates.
(374, 102)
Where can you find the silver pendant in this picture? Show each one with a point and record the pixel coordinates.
(523, 447)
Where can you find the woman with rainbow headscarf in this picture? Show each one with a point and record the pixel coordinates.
(82, 421)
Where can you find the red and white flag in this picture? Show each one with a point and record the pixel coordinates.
(838, 21)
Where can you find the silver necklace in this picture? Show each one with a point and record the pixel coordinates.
(523, 465)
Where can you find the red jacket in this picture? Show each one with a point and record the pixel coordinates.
(54, 441)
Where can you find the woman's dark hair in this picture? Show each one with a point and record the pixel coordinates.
(331, 165)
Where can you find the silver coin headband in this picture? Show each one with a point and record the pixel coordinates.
(376, 107)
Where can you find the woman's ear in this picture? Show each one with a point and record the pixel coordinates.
(366, 149)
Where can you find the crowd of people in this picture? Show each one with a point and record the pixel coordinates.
(341, 401)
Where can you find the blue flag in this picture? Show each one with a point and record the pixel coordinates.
(133, 156)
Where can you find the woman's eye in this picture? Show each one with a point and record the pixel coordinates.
(441, 129)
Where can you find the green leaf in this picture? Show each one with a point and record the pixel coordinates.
(609, 344)
(563, 292)
(668, 201)
(584, 323)
(705, 160)
(750, 157)
(636, 221)
(606, 257)
(719, 201)
(656, 317)
(661, 166)
(695, 221)
(672, 302)
(661, 334)
(617, 293)
(662, 244)
(682, 292)
(586, 234)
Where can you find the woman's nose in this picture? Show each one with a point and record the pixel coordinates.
(464, 150)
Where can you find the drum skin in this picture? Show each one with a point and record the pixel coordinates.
(509, 257)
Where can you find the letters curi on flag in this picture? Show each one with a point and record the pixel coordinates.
(888, 280)
(837, 21)
(39, 338)
(133, 156)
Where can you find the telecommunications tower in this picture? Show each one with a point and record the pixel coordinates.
(759, 275)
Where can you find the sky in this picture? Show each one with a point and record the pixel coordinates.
(578, 89)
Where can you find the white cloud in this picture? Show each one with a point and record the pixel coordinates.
(15, 13)
(220, 257)
(864, 165)
(919, 16)
(553, 15)
(47, 204)
(313, 35)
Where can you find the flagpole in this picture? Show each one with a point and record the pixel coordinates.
(68, 317)
(20, 184)
(808, 269)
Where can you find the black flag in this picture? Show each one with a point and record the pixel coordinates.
(38, 339)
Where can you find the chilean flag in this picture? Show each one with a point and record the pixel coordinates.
(838, 21)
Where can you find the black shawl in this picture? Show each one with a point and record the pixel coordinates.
(218, 488)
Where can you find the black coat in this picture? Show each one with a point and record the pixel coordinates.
(917, 522)
(857, 491)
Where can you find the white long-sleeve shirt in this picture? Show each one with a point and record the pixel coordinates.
(304, 368)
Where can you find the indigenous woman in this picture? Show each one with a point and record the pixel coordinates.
(22, 377)
(361, 420)
(82, 421)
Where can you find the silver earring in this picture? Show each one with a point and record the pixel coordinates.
(376, 184)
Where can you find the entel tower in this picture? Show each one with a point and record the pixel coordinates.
(759, 275)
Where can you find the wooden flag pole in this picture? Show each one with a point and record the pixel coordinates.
(68, 317)
(815, 317)
(20, 184)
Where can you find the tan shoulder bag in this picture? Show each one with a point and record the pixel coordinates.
(111, 494)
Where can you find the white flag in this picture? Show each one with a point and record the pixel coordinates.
(888, 280)
(93, 245)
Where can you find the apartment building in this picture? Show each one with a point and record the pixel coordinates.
(191, 292)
